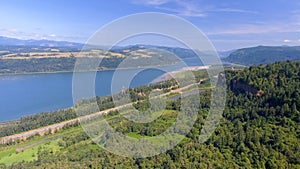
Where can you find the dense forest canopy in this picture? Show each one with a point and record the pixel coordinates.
(256, 131)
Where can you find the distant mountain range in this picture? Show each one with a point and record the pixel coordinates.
(264, 55)
(43, 43)
(183, 52)
(245, 56)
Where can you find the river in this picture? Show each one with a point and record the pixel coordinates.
(34, 93)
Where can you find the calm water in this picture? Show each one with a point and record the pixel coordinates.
(29, 94)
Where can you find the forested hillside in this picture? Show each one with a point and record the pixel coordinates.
(264, 55)
(260, 128)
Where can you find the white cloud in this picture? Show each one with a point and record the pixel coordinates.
(179, 7)
(291, 41)
(151, 2)
(235, 10)
(190, 8)
(14, 33)
(184, 12)
(256, 28)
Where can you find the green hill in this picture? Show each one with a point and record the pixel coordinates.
(264, 55)
(260, 128)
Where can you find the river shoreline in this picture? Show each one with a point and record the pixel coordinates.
(55, 85)
(98, 70)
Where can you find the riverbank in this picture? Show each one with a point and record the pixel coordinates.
(98, 70)
(52, 91)
(170, 75)
(53, 128)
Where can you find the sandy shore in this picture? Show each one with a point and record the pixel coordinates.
(170, 75)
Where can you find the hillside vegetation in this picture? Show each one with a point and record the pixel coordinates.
(31, 59)
(264, 55)
(256, 131)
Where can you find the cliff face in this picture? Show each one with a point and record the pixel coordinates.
(238, 86)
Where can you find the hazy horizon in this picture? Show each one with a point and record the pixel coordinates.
(229, 24)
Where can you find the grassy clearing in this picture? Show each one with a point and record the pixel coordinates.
(14, 156)
(11, 156)
(28, 150)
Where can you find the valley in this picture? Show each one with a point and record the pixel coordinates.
(265, 126)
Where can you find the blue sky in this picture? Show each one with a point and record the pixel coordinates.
(229, 24)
